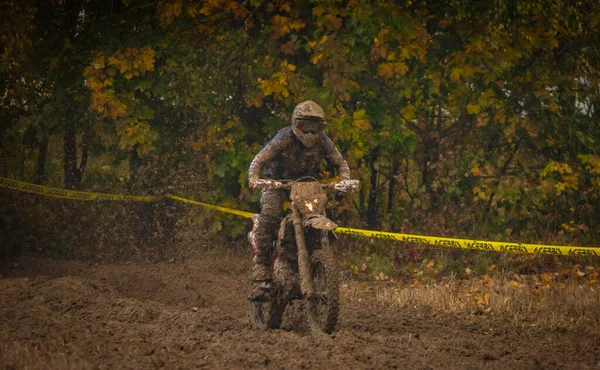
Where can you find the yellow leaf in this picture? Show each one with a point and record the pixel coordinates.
(282, 25)
(207, 11)
(385, 70)
(312, 43)
(360, 120)
(473, 109)
(168, 10)
(318, 10)
(291, 67)
(361, 113)
(408, 112)
(268, 90)
(297, 25)
(286, 7)
(362, 125)
(98, 62)
(400, 68)
(455, 74)
(315, 59)
(113, 61)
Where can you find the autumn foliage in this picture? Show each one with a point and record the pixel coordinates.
(460, 119)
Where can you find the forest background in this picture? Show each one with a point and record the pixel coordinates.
(474, 119)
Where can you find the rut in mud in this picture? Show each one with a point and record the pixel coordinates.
(193, 314)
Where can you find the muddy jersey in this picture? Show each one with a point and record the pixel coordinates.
(286, 158)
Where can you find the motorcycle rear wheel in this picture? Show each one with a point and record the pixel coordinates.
(323, 307)
(267, 314)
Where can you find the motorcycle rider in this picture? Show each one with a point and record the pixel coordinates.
(294, 152)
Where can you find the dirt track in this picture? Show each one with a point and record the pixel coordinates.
(59, 314)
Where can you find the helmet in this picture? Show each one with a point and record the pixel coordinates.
(308, 121)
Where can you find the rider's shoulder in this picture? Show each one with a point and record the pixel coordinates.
(285, 133)
(325, 139)
(282, 137)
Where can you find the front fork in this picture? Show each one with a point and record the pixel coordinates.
(306, 285)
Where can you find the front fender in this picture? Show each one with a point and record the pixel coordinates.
(321, 223)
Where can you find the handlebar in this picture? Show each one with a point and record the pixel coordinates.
(343, 185)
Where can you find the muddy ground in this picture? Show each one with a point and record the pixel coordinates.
(193, 314)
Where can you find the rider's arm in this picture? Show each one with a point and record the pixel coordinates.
(266, 155)
(334, 157)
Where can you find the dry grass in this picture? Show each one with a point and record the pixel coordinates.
(535, 304)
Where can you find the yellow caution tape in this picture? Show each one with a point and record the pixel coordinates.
(210, 206)
(409, 238)
(475, 244)
(70, 194)
(436, 241)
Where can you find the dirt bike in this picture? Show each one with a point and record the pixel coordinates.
(303, 263)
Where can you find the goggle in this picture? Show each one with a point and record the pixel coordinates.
(310, 126)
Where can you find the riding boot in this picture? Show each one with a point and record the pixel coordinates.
(261, 279)
(271, 203)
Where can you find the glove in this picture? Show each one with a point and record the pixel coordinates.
(265, 184)
(346, 185)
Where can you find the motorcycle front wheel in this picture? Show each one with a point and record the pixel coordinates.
(323, 306)
(268, 313)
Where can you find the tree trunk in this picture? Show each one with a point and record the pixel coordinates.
(73, 173)
(430, 155)
(4, 159)
(40, 170)
(70, 159)
(372, 207)
(394, 172)
(143, 221)
(361, 194)
(501, 173)
(134, 164)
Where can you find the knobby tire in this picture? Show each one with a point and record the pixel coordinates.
(269, 314)
(323, 309)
